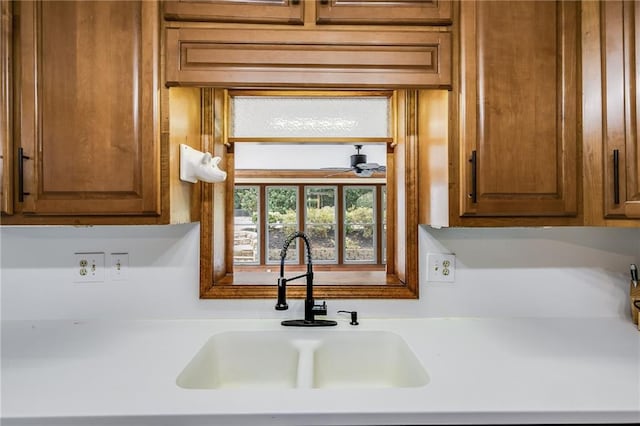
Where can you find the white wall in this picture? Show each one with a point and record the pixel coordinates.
(577, 271)
(290, 156)
(572, 272)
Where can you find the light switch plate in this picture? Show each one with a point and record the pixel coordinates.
(119, 266)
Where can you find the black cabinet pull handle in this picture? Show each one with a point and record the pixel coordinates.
(295, 2)
(21, 158)
(474, 177)
(325, 2)
(616, 176)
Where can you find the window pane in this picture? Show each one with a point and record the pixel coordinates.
(320, 223)
(246, 242)
(359, 228)
(282, 206)
(264, 116)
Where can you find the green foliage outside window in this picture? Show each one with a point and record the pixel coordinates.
(359, 213)
(322, 219)
(282, 200)
(289, 216)
(358, 221)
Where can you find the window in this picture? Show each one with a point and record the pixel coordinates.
(360, 225)
(282, 214)
(354, 218)
(246, 216)
(321, 222)
(354, 241)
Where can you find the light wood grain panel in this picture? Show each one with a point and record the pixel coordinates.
(592, 127)
(433, 157)
(387, 12)
(248, 11)
(632, 209)
(185, 128)
(234, 57)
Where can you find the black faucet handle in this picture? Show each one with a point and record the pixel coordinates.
(320, 309)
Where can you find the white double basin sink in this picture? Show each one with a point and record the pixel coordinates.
(303, 359)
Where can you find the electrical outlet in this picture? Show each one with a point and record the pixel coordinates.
(88, 267)
(119, 266)
(441, 267)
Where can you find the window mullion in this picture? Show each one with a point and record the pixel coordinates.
(262, 223)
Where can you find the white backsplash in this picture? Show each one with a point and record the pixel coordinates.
(500, 272)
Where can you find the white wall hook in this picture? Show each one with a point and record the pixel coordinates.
(196, 165)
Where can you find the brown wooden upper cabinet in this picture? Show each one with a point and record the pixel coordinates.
(87, 139)
(388, 12)
(518, 113)
(247, 11)
(621, 66)
(367, 12)
(232, 46)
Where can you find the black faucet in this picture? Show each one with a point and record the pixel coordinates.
(310, 307)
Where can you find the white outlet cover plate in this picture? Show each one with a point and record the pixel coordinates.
(88, 267)
(441, 267)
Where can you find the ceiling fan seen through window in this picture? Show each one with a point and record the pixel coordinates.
(359, 166)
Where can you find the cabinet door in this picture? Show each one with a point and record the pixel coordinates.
(621, 53)
(88, 104)
(518, 108)
(250, 11)
(391, 12)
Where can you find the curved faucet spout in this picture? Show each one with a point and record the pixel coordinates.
(285, 247)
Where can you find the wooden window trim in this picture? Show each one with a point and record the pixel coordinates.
(401, 280)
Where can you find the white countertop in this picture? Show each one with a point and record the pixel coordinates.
(481, 371)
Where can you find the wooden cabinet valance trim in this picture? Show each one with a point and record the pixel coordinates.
(267, 58)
